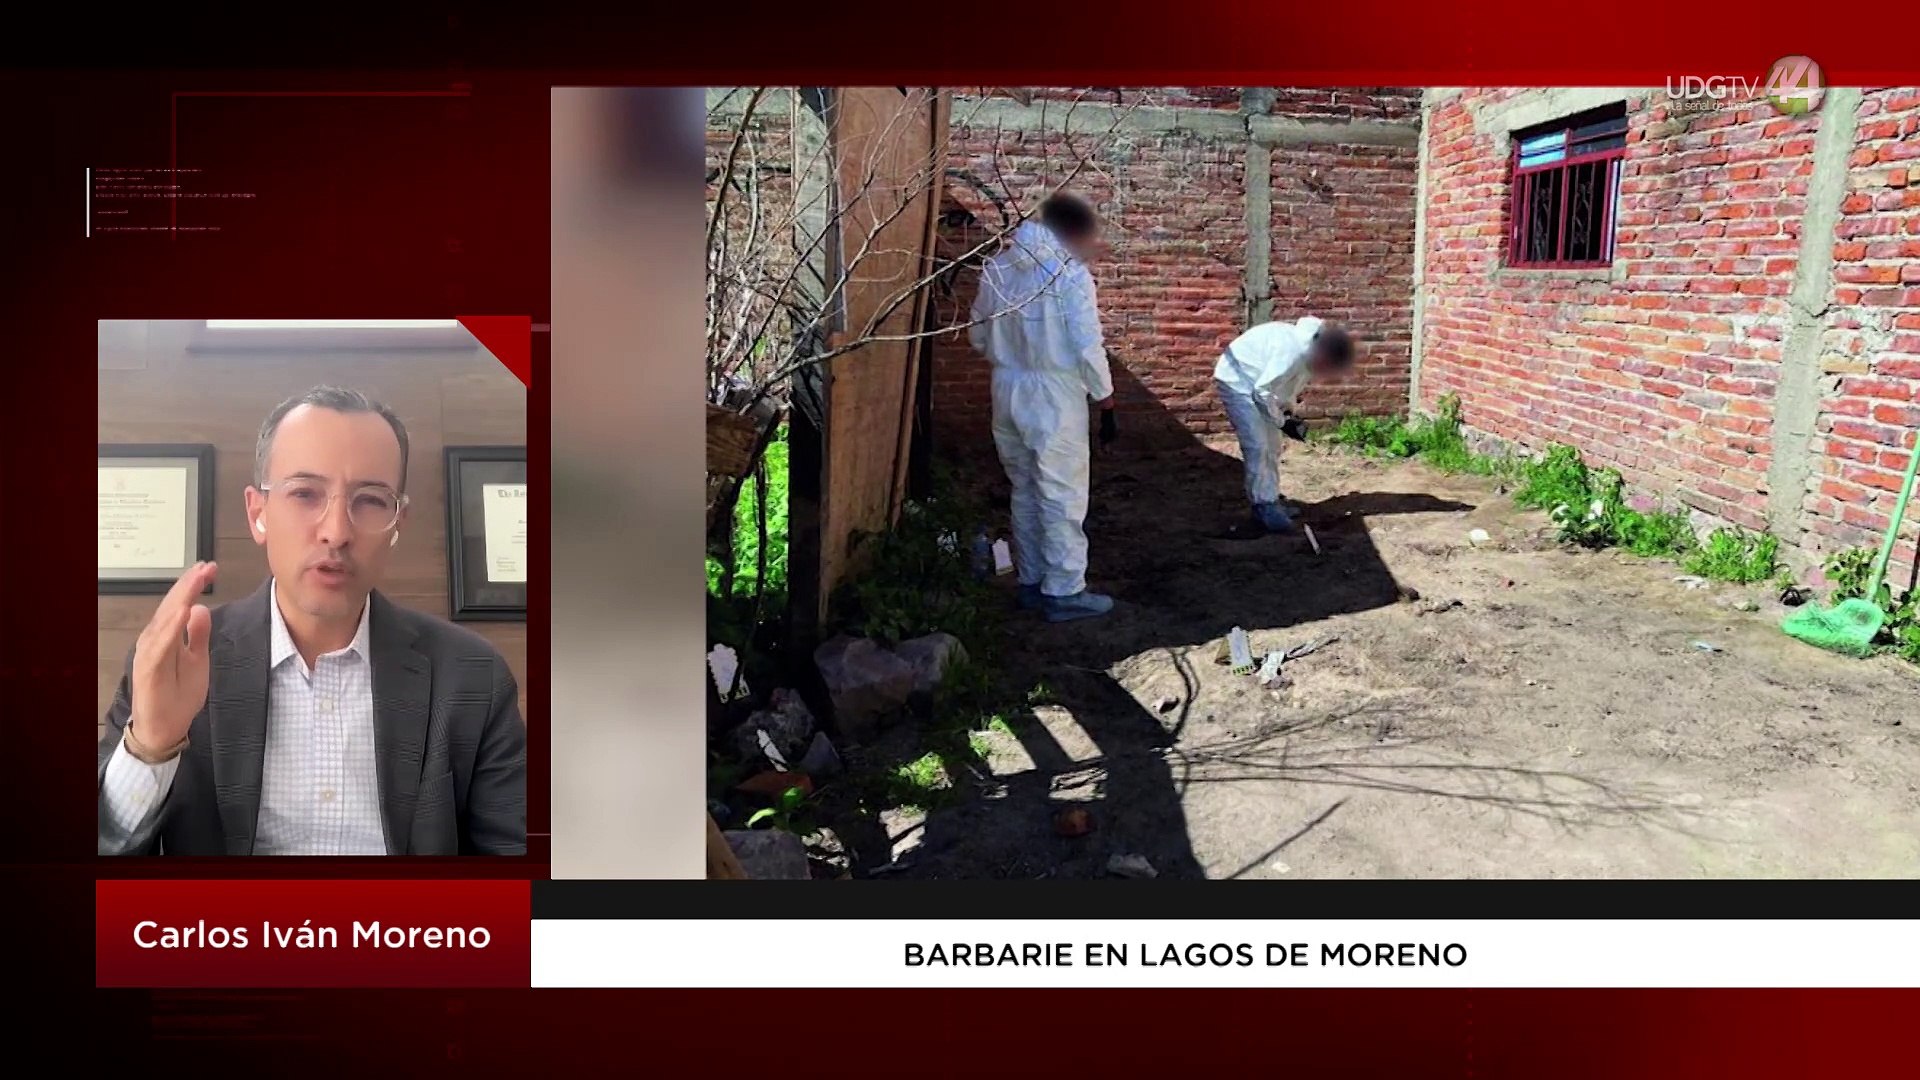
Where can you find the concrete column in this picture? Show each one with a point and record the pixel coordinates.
(1796, 402)
(1256, 290)
(1418, 345)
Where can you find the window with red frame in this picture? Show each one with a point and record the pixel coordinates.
(1566, 184)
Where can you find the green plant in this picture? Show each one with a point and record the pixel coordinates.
(1559, 478)
(1657, 533)
(963, 691)
(1439, 440)
(917, 578)
(1587, 505)
(1736, 555)
(746, 530)
(923, 783)
(739, 597)
(788, 813)
(1590, 507)
(1906, 641)
(1850, 570)
(1366, 433)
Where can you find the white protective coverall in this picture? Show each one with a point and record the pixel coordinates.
(1259, 377)
(1036, 320)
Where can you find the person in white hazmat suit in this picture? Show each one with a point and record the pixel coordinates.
(1260, 378)
(1035, 319)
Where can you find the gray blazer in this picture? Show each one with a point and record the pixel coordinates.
(449, 744)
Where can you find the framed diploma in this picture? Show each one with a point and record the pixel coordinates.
(156, 514)
(487, 532)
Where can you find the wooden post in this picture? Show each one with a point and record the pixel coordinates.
(942, 105)
(722, 864)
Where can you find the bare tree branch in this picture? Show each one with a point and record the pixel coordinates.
(769, 309)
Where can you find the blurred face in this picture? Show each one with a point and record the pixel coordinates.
(331, 509)
(1322, 365)
(1086, 248)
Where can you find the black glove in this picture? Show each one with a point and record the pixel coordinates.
(1294, 428)
(1109, 427)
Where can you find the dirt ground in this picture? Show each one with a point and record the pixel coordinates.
(1537, 712)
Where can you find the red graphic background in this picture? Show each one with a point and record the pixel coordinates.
(413, 207)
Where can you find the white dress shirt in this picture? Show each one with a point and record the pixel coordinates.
(319, 788)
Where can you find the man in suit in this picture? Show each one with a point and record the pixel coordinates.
(314, 717)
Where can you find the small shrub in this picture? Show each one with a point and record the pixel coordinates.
(1367, 433)
(1588, 505)
(1439, 440)
(918, 578)
(1657, 534)
(1907, 642)
(1849, 571)
(923, 783)
(1559, 478)
(1735, 555)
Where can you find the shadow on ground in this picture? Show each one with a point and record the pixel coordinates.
(1160, 501)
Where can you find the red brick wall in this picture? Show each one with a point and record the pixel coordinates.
(1299, 102)
(762, 166)
(1169, 287)
(1347, 102)
(1173, 280)
(1872, 345)
(1343, 250)
(1666, 366)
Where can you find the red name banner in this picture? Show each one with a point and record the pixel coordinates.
(312, 933)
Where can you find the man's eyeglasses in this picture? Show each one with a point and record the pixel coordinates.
(372, 508)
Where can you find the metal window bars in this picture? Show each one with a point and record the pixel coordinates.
(1566, 186)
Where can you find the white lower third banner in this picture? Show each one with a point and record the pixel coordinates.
(689, 953)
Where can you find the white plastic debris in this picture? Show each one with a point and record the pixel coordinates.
(1308, 529)
(1270, 668)
(772, 751)
(1239, 652)
(724, 663)
(1478, 537)
(1002, 557)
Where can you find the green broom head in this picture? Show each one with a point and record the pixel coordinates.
(1848, 627)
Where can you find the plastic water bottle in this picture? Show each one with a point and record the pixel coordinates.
(982, 556)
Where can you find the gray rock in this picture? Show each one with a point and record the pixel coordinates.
(932, 656)
(820, 760)
(769, 854)
(865, 681)
(1131, 866)
(785, 720)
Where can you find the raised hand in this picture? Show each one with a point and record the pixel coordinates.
(170, 665)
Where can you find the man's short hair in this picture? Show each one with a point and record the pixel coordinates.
(1335, 344)
(1069, 216)
(337, 399)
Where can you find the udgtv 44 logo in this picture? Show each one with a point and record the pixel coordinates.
(1793, 86)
